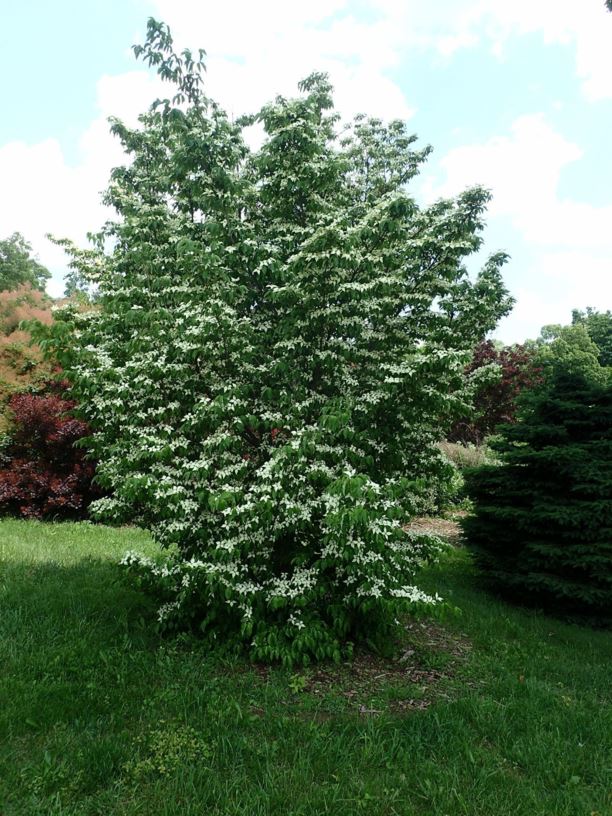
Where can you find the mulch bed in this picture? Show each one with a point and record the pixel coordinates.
(423, 671)
(428, 660)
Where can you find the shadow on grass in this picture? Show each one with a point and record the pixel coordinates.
(70, 638)
(90, 591)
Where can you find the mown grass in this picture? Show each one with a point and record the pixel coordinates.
(499, 711)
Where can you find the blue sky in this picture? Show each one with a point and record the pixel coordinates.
(517, 96)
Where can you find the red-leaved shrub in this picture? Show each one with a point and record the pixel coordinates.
(496, 402)
(42, 473)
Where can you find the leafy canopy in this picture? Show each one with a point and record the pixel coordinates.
(514, 369)
(572, 349)
(18, 266)
(278, 344)
(599, 328)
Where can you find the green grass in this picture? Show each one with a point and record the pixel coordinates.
(499, 711)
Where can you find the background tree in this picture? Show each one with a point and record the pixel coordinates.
(18, 266)
(570, 348)
(279, 342)
(495, 397)
(541, 528)
(22, 363)
(599, 328)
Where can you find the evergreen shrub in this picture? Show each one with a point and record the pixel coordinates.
(541, 528)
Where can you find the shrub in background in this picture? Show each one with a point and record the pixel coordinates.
(42, 474)
(467, 456)
(22, 364)
(495, 399)
(542, 522)
(572, 349)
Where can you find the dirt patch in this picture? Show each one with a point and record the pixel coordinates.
(424, 670)
(426, 666)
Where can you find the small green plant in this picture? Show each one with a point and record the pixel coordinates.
(297, 683)
(51, 777)
(164, 750)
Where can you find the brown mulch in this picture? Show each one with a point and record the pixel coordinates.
(425, 669)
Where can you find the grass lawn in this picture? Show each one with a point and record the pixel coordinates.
(497, 711)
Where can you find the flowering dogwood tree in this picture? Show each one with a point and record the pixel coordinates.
(279, 342)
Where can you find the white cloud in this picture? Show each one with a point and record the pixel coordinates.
(271, 44)
(559, 282)
(447, 26)
(585, 26)
(523, 171)
(256, 50)
(571, 240)
(43, 193)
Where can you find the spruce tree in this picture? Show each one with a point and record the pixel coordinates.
(541, 528)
